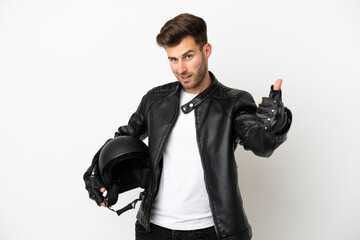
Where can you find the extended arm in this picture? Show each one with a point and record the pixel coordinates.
(262, 129)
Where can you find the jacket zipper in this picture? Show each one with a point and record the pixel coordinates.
(203, 164)
(157, 161)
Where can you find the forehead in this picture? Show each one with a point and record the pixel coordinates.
(186, 45)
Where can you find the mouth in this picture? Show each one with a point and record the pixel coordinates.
(185, 78)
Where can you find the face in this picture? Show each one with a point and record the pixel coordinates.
(190, 64)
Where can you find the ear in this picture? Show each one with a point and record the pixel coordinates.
(207, 49)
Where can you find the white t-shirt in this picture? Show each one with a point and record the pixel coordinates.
(182, 202)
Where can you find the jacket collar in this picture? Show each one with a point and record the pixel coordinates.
(196, 101)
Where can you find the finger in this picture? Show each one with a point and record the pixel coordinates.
(261, 100)
(102, 204)
(277, 84)
(102, 189)
(98, 197)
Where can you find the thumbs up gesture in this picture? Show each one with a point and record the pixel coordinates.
(272, 112)
(275, 87)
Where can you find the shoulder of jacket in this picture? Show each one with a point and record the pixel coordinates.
(234, 99)
(165, 88)
(157, 93)
(224, 92)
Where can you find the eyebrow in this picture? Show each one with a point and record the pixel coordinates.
(186, 53)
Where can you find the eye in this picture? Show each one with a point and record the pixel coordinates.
(188, 57)
(173, 60)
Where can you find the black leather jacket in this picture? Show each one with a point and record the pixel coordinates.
(224, 117)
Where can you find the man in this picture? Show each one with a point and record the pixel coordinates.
(193, 127)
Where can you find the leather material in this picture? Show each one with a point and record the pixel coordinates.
(93, 181)
(273, 113)
(224, 118)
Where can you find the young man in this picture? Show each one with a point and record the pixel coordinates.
(193, 126)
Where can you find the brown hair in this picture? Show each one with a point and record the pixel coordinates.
(181, 26)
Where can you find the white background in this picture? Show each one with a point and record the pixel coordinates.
(72, 71)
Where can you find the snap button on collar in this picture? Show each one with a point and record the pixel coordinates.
(186, 108)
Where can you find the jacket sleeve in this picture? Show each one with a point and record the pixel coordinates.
(262, 129)
(137, 125)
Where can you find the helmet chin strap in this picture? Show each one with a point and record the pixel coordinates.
(112, 195)
(127, 207)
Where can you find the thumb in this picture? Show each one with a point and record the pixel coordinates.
(277, 84)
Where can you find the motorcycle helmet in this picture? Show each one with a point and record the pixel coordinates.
(123, 166)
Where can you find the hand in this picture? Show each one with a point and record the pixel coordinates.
(276, 87)
(94, 185)
(102, 190)
(271, 109)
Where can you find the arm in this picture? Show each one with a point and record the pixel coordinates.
(137, 126)
(93, 182)
(263, 129)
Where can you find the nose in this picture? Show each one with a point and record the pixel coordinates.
(181, 67)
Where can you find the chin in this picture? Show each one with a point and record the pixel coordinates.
(187, 85)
